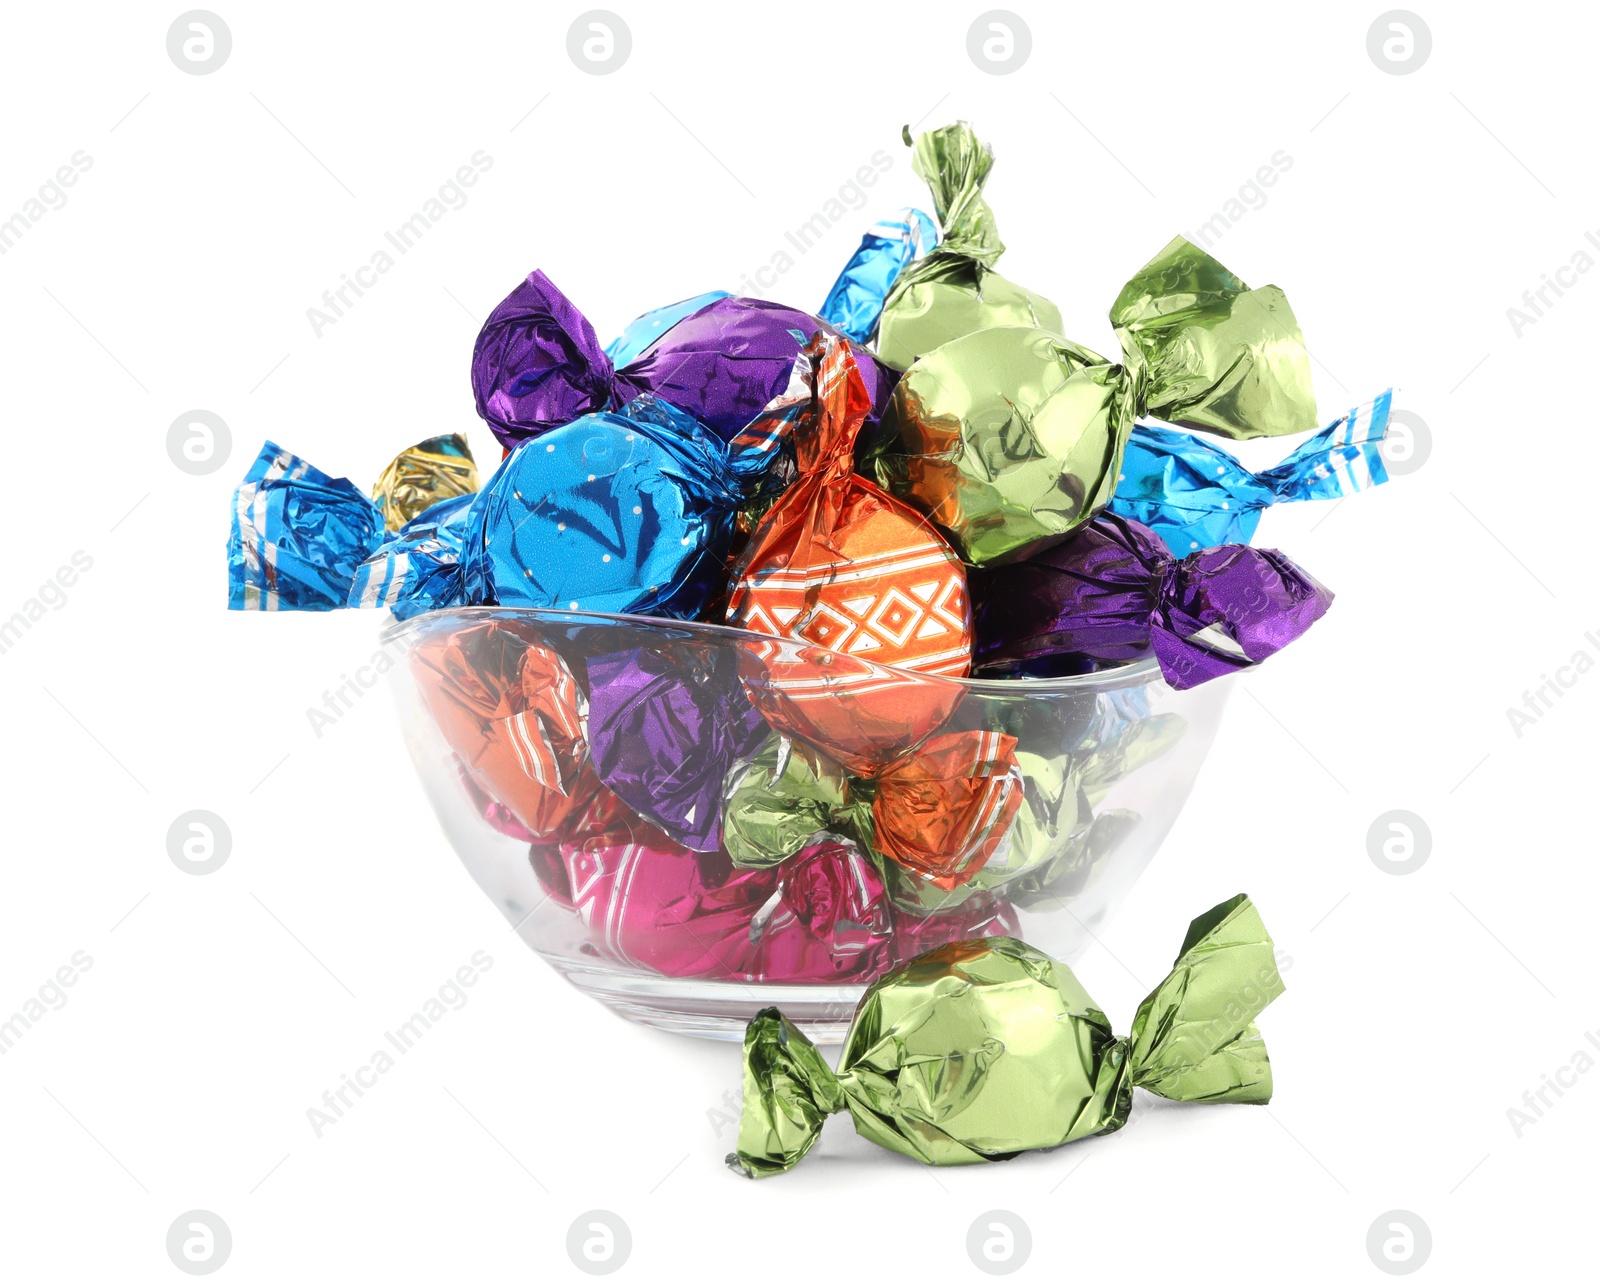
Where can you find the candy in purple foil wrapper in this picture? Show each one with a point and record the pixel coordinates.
(538, 364)
(665, 725)
(1112, 592)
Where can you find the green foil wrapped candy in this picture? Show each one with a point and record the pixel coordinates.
(781, 797)
(1010, 439)
(1212, 353)
(984, 1049)
(954, 289)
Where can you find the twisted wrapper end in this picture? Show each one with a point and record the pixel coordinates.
(1210, 353)
(1224, 609)
(1194, 1038)
(537, 364)
(789, 1091)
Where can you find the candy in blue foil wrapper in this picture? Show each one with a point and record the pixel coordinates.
(537, 365)
(856, 300)
(649, 327)
(419, 568)
(297, 536)
(665, 726)
(627, 511)
(1197, 495)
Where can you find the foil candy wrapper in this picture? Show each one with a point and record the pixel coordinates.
(1112, 593)
(944, 811)
(422, 476)
(939, 814)
(297, 535)
(665, 726)
(1195, 495)
(954, 290)
(1210, 353)
(981, 1050)
(419, 568)
(856, 299)
(299, 538)
(647, 328)
(847, 580)
(537, 365)
(1012, 438)
(820, 916)
(781, 796)
(512, 711)
(627, 511)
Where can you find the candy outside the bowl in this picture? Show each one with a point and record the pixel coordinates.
(954, 290)
(839, 568)
(1194, 494)
(1011, 438)
(856, 299)
(1112, 592)
(984, 1049)
(537, 365)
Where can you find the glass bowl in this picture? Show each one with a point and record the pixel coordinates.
(528, 727)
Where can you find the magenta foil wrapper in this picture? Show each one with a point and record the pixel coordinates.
(1112, 592)
(538, 364)
(821, 916)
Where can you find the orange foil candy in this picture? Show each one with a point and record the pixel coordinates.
(943, 812)
(853, 581)
(512, 710)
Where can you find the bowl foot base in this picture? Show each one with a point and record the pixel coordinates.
(716, 1010)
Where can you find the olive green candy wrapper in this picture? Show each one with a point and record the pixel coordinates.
(781, 797)
(1010, 439)
(987, 1048)
(954, 290)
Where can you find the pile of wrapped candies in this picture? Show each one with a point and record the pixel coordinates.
(926, 478)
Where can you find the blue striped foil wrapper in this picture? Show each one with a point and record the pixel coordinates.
(1197, 495)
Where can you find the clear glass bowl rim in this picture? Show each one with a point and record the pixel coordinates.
(1129, 675)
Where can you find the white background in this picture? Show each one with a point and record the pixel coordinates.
(218, 1009)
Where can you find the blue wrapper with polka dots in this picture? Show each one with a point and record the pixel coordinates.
(619, 511)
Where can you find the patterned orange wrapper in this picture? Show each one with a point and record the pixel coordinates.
(512, 710)
(852, 581)
(943, 812)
